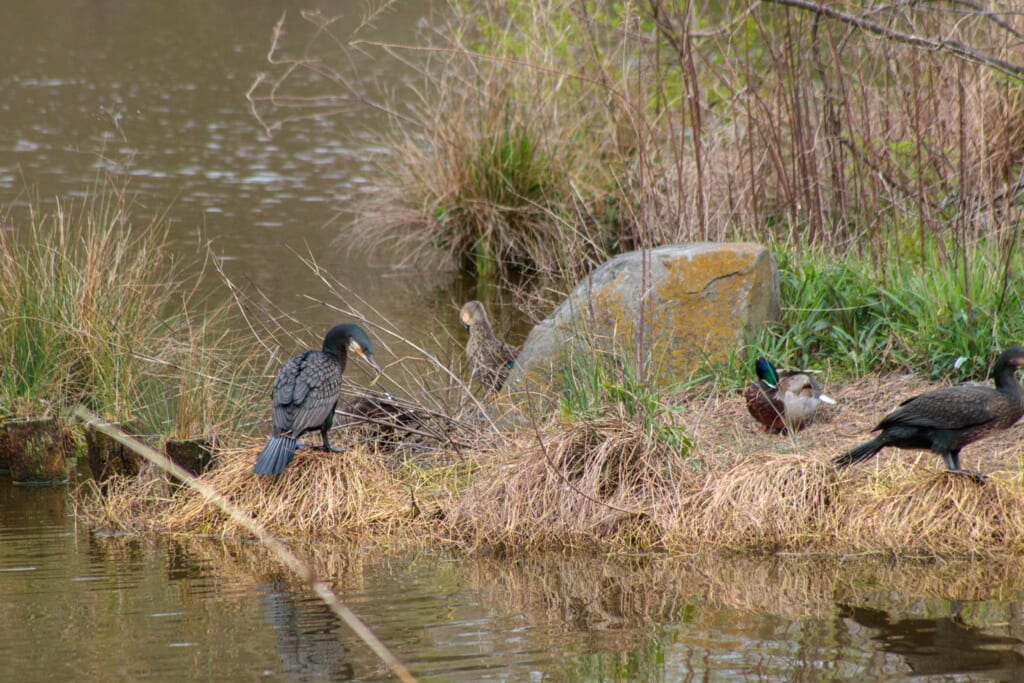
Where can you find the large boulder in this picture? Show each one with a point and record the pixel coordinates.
(673, 308)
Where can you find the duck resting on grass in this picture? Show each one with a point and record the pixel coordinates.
(490, 359)
(306, 392)
(782, 400)
(945, 420)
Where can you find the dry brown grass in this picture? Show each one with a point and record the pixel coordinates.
(320, 496)
(910, 512)
(603, 485)
(772, 502)
(583, 484)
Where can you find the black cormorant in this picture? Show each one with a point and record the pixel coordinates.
(305, 394)
(786, 399)
(945, 420)
(490, 359)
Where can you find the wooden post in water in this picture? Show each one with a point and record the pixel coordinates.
(194, 455)
(5, 450)
(108, 457)
(36, 451)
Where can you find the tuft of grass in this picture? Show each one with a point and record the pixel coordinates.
(590, 483)
(904, 512)
(493, 193)
(82, 300)
(321, 495)
(595, 383)
(768, 503)
(94, 311)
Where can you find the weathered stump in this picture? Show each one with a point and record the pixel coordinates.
(195, 455)
(5, 450)
(36, 451)
(108, 457)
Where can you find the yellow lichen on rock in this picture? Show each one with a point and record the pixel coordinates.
(674, 307)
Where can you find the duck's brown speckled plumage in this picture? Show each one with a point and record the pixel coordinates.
(490, 358)
(945, 420)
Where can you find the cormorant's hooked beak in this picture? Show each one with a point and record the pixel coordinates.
(368, 357)
(363, 352)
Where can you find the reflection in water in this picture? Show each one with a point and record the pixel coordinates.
(194, 609)
(307, 637)
(943, 645)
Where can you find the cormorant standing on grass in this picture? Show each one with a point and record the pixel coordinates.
(306, 392)
(945, 420)
(490, 358)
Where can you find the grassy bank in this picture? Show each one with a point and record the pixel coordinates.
(620, 467)
(598, 487)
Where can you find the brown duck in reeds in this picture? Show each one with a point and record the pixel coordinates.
(781, 400)
(945, 420)
(306, 392)
(490, 359)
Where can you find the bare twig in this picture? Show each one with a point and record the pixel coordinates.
(941, 44)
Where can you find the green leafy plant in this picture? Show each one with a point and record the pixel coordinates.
(596, 383)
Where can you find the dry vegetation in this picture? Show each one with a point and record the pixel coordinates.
(545, 137)
(600, 486)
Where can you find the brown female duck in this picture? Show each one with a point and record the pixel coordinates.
(490, 359)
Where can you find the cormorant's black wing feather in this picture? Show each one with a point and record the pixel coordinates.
(306, 392)
(958, 407)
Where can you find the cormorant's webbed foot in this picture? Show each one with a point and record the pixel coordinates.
(328, 447)
(976, 476)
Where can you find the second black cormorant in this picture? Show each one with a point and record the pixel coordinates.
(306, 392)
(945, 420)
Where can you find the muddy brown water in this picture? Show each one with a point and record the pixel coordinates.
(155, 90)
(81, 606)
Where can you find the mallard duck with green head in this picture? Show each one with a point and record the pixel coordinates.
(783, 400)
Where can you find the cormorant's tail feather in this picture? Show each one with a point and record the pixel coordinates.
(859, 454)
(276, 455)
